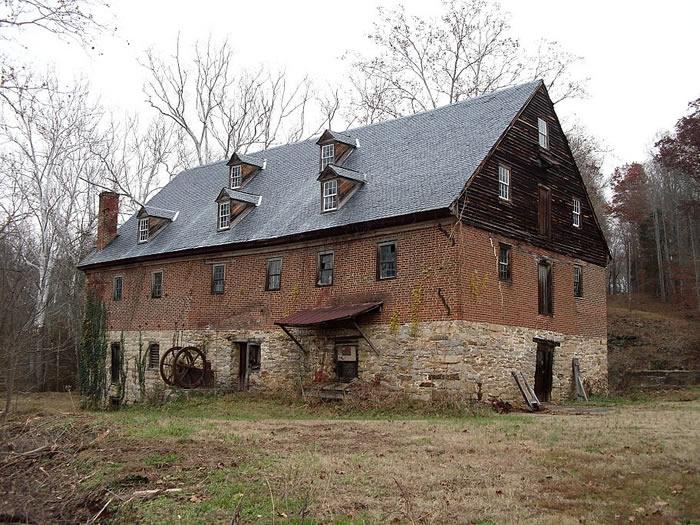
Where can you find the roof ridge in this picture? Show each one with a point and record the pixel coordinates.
(403, 117)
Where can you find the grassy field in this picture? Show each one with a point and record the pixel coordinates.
(244, 459)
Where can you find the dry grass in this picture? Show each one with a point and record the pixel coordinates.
(634, 461)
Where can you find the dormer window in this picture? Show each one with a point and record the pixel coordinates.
(543, 133)
(577, 212)
(236, 176)
(330, 195)
(327, 155)
(144, 228)
(224, 215)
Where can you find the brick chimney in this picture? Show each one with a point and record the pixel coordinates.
(107, 219)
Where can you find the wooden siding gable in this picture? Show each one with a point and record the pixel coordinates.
(533, 168)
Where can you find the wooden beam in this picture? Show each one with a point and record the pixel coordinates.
(291, 336)
(357, 327)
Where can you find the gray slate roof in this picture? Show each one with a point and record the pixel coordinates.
(412, 164)
(242, 196)
(346, 173)
(253, 160)
(153, 211)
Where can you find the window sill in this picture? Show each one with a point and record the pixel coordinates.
(321, 285)
(386, 278)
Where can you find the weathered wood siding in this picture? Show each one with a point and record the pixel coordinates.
(532, 167)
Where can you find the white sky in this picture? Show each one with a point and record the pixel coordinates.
(641, 56)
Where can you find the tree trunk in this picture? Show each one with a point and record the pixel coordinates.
(659, 256)
(694, 255)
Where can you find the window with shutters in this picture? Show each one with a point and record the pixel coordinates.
(544, 211)
(153, 355)
(273, 280)
(543, 133)
(576, 210)
(503, 262)
(325, 269)
(386, 260)
(218, 275)
(504, 182)
(578, 281)
(157, 285)
(118, 288)
(544, 270)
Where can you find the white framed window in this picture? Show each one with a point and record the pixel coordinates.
(577, 212)
(224, 215)
(330, 195)
(236, 176)
(144, 228)
(327, 155)
(504, 182)
(543, 132)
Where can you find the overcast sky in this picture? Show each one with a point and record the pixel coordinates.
(641, 56)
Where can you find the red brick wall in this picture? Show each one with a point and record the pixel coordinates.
(107, 217)
(464, 273)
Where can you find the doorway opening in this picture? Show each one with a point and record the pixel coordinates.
(346, 362)
(544, 370)
(248, 361)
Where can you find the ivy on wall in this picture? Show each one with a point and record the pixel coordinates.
(92, 369)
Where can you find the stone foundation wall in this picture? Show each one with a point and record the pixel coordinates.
(417, 358)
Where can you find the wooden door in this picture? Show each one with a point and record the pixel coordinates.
(243, 369)
(544, 371)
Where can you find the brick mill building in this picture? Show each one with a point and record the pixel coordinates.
(435, 252)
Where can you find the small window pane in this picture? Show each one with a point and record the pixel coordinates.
(274, 274)
(543, 132)
(218, 278)
(118, 288)
(143, 229)
(224, 215)
(236, 177)
(254, 357)
(578, 281)
(153, 355)
(387, 260)
(504, 262)
(327, 155)
(330, 195)
(504, 182)
(157, 285)
(577, 213)
(325, 269)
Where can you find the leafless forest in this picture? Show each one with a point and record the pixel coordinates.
(59, 148)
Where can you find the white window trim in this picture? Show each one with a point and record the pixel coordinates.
(503, 169)
(327, 155)
(144, 232)
(543, 133)
(220, 223)
(235, 177)
(330, 198)
(577, 212)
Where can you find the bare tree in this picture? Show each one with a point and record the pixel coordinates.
(74, 19)
(219, 108)
(47, 137)
(422, 63)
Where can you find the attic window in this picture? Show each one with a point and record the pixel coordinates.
(144, 227)
(224, 215)
(330, 195)
(236, 176)
(327, 155)
(543, 133)
(577, 212)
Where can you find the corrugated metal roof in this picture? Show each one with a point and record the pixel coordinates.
(327, 314)
(413, 164)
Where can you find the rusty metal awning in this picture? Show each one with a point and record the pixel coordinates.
(327, 314)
